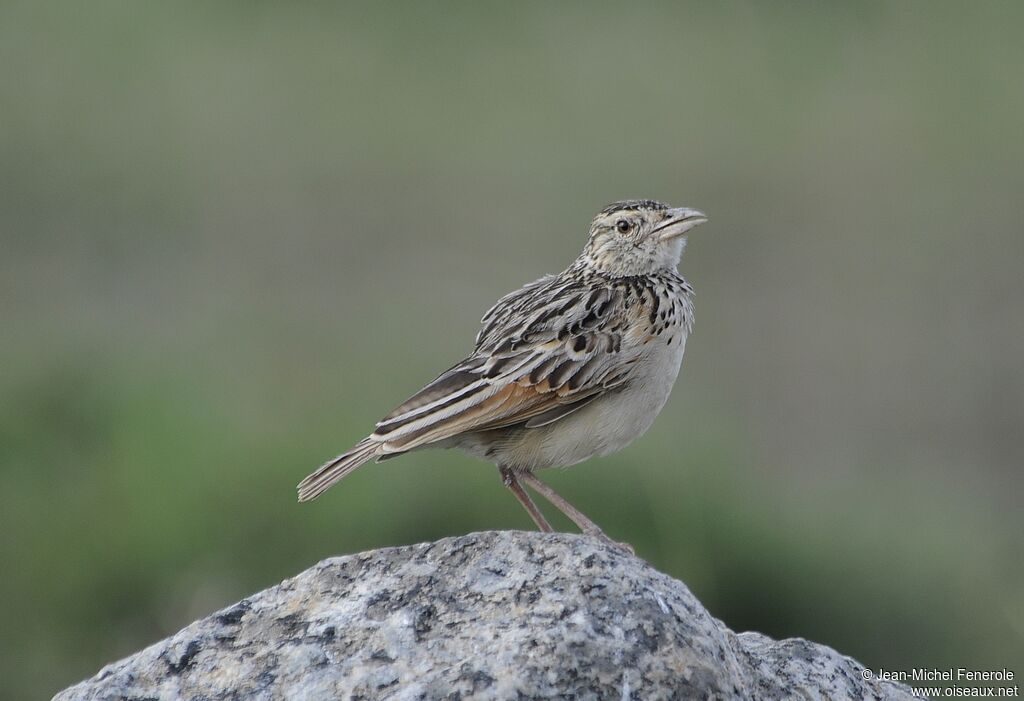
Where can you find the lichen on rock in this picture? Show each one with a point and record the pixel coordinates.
(495, 615)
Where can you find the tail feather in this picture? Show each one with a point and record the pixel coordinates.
(333, 470)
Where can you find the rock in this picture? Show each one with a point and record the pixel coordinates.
(498, 615)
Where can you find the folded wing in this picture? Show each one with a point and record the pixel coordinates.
(542, 352)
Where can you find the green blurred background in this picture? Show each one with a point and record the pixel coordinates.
(233, 235)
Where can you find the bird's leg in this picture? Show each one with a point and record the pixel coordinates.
(509, 479)
(574, 514)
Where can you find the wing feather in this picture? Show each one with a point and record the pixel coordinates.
(512, 300)
(542, 353)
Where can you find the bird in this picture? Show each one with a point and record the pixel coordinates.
(568, 367)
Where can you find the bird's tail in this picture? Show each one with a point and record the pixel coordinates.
(333, 470)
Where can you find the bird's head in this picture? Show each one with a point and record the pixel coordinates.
(636, 237)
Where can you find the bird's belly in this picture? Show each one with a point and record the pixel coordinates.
(604, 426)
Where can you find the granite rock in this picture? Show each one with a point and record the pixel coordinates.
(497, 615)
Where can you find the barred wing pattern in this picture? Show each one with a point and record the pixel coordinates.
(541, 353)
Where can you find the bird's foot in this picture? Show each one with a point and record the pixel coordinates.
(621, 544)
(625, 546)
(595, 532)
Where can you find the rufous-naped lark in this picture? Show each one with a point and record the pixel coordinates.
(567, 367)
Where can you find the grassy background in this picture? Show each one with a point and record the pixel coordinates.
(233, 235)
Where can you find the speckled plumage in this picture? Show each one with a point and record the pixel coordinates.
(567, 367)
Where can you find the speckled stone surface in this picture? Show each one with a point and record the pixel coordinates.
(504, 615)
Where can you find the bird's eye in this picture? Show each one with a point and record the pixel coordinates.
(623, 226)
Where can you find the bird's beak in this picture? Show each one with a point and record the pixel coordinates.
(677, 222)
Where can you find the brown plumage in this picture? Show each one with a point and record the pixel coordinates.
(569, 366)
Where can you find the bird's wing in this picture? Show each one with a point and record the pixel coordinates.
(515, 300)
(540, 351)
